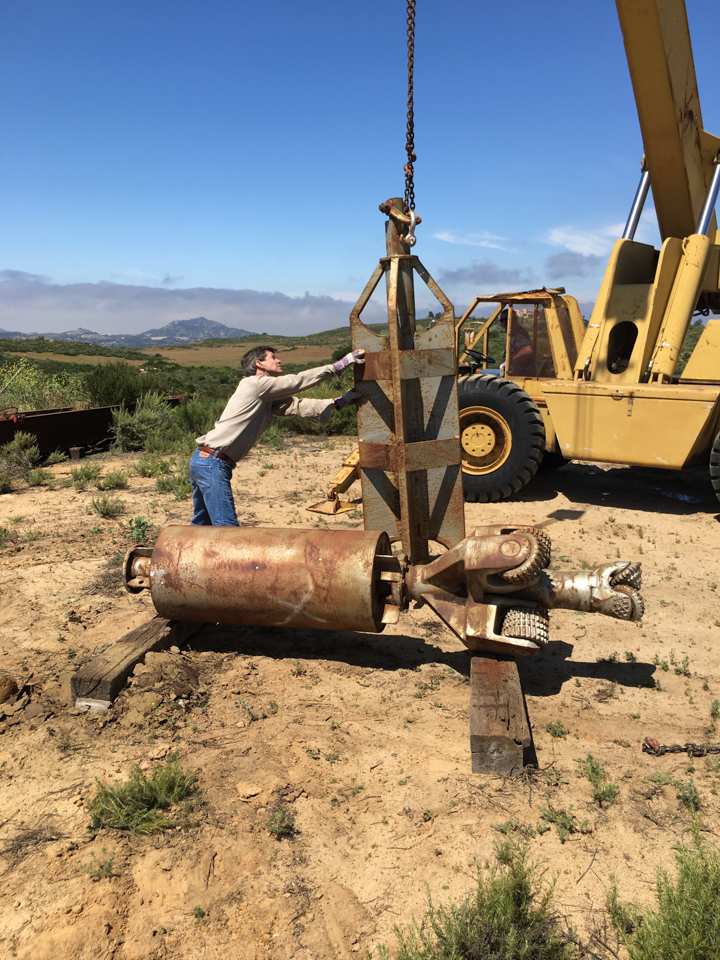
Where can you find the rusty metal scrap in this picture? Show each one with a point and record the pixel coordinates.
(329, 580)
(656, 749)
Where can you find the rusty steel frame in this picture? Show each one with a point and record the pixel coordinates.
(408, 425)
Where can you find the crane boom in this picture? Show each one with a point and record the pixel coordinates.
(679, 153)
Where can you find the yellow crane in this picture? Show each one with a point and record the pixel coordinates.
(612, 391)
(625, 399)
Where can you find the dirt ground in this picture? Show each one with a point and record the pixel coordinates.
(364, 738)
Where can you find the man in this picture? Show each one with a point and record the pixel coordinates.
(520, 361)
(259, 395)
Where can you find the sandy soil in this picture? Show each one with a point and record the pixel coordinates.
(365, 738)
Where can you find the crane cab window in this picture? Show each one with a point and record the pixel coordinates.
(528, 352)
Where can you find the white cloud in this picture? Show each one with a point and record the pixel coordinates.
(483, 238)
(597, 241)
(31, 302)
(588, 243)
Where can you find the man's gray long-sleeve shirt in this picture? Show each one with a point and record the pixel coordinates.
(250, 409)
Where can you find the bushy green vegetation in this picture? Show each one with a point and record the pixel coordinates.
(108, 507)
(17, 459)
(114, 480)
(137, 804)
(685, 924)
(147, 427)
(25, 386)
(176, 482)
(281, 822)
(38, 477)
(604, 793)
(112, 383)
(68, 347)
(140, 530)
(509, 916)
(152, 466)
(81, 476)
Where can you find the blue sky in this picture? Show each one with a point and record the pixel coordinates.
(244, 146)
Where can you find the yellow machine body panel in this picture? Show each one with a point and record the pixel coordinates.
(704, 362)
(649, 425)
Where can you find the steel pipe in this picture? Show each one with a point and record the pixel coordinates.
(709, 208)
(637, 206)
(319, 579)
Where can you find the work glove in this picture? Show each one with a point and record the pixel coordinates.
(356, 356)
(351, 396)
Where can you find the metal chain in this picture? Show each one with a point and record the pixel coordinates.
(657, 749)
(410, 129)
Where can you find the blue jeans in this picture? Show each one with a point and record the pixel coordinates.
(211, 493)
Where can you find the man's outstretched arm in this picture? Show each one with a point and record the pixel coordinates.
(307, 407)
(284, 386)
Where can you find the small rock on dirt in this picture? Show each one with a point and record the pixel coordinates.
(8, 687)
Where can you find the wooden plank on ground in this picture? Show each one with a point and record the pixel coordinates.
(500, 737)
(102, 677)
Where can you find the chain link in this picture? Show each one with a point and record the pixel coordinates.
(657, 749)
(410, 129)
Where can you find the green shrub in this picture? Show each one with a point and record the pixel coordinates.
(509, 916)
(57, 456)
(139, 529)
(566, 823)
(151, 416)
(39, 477)
(108, 507)
(114, 383)
(151, 466)
(17, 459)
(281, 822)
(114, 480)
(25, 386)
(137, 804)
(197, 415)
(177, 483)
(604, 793)
(80, 477)
(687, 795)
(685, 924)
(556, 728)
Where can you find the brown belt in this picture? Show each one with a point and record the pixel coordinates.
(218, 454)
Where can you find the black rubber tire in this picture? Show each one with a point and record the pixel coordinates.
(527, 431)
(715, 466)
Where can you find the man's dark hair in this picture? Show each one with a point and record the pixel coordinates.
(250, 358)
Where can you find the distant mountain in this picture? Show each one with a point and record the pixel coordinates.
(199, 328)
(173, 334)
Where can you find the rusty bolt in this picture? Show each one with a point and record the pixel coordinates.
(510, 548)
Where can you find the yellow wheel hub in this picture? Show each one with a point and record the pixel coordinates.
(485, 438)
